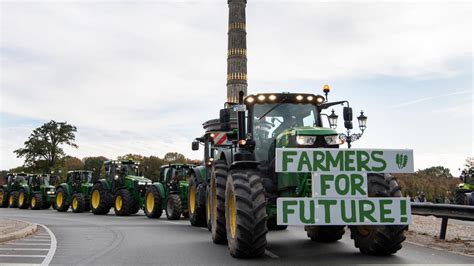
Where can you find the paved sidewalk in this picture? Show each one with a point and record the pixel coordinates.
(13, 229)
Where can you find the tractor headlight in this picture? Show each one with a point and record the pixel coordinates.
(143, 183)
(333, 140)
(305, 140)
(50, 192)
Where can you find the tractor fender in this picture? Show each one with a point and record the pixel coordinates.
(224, 154)
(198, 173)
(244, 165)
(160, 188)
(104, 183)
(27, 190)
(65, 187)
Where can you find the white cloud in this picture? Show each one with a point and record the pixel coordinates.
(141, 77)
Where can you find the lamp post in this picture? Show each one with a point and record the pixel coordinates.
(333, 120)
(348, 137)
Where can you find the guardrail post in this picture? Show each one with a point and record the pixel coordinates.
(444, 227)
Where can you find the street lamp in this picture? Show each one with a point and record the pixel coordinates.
(348, 137)
(333, 120)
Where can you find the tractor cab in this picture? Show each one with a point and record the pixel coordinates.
(120, 169)
(173, 174)
(77, 178)
(19, 179)
(467, 176)
(37, 180)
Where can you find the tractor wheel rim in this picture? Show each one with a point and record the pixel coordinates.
(21, 199)
(59, 199)
(1, 197)
(95, 199)
(192, 199)
(33, 202)
(150, 202)
(214, 203)
(10, 200)
(232, 215)
(74, 203)
(208, 207)
(118, 203)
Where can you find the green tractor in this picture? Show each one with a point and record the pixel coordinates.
(244, 186)
(465, 192)
(42, 194)
(10, 192)
(75, 192)
(171, 193)
(122, 188)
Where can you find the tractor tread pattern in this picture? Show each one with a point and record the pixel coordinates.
(65, 206)
(157, 207)
(127, 202)
(39, 201)
(198, 218)
(218, 228)
(174, 207)
(80, 203)
(104, 205)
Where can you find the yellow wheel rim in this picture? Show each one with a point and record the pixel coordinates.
(208, 207)
(33, 202)
(1, 198)
(150, 202)
(59, 199)
(192, 199)
(21, 199)
(214, 201)
(74, 203)
(118, 203)
(95, 199)
(363, 230)
(10, 200)
(232, 215)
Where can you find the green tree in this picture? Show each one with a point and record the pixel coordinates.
(175, 157)
(133, 157)
(44, 143)
(436, 171)
(73, 163)
(151, 167)
(94, 164)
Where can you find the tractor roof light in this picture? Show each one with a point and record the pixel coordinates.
(299, 97)
(362, 121)
(261, 98)
(250, 100)
(272, 97)
(333, 119)
(320, 99)
(309, 98)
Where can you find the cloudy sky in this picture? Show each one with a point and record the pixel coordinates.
(142, 76)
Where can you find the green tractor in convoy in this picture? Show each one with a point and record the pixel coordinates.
(10, 192)
(42, 194)
(198, 196)
(122, 188)
(75, 192)
(170, 193)
(465, 192)
(244, 186)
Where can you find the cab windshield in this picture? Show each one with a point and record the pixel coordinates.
(86, 177)
(270, 120)
(129, 169)
(181, 173)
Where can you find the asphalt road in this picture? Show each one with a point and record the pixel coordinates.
(89, 239)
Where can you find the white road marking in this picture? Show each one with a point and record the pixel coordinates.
(23, 256)
(28, 244)
(39, 249)
(52, 249)
(271, 254)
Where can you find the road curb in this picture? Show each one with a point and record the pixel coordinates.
(28, 230)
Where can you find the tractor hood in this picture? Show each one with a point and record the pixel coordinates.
(138, 178)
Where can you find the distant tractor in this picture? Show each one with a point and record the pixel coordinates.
(10, 192)
(465, 191)
(42, 195)
(122, 188)
(75, 192)
(170, 193)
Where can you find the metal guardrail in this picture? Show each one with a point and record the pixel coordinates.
(444, 211)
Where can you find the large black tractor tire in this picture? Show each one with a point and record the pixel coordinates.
(3, 198)
(273, 226)
(46, 205)
(61, 200)
(208, 208)
(325, 234)
(22, 199)
(460, 197)
(217, 198)
(87, 205)
(13, 200)
(135, 208)
(100, 204)
(123, 203)
(246, 216)
(78, 203)
(197, 214)
(153, 205)
(36, 201)
(174, 207)
(382, 240)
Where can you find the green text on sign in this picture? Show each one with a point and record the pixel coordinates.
(340, 211)
(295, 160)
(339, 185)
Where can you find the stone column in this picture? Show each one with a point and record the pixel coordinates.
(237, 51)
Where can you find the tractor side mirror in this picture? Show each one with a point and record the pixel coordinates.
(224, 119)
(195, 145)
(347, 112)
